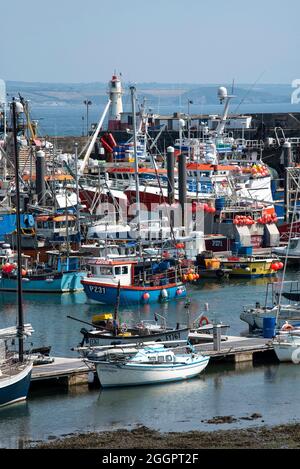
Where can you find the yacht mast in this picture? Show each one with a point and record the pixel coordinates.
(136, 167)
(16, 107)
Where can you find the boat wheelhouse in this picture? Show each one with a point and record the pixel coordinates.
(139, 282)
(57, 227)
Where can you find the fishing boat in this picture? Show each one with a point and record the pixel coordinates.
(107, 330)
(290, 252)
(15, 372)
(210, 267)
(287, 346)
(61, 273)
(254, 316)
(140, 282)
(133, 281)
(153, 364)
(251, 266)
(281, 313)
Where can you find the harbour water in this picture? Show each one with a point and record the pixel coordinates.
(70, 120)
(221, 390)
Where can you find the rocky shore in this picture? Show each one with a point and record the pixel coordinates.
(278, 437)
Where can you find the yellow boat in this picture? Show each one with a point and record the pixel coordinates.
(251, 267)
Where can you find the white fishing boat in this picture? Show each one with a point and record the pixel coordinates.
(254, 315)
(149, 365)
(287, 346)
(290, 252)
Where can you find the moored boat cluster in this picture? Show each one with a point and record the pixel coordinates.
(132, 225)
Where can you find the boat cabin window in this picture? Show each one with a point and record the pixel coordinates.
(93, 269)
(45, 225)
(121, 270)
(294, 244)
(161, 358)
(52, 261)
(105, 270)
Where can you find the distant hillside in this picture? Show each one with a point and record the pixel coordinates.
(167, 94)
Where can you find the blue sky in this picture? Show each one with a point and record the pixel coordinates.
(173, 41)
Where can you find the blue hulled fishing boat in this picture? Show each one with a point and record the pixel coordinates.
(140, 282)
(62, 273)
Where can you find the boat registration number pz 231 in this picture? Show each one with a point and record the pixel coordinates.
(97, 289)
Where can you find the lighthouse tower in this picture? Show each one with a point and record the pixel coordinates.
(116, 106)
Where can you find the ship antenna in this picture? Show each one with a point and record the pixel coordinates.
(247, 92)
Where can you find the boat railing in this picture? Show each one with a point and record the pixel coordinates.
(174, 274)
(286, 236)
(250, 143)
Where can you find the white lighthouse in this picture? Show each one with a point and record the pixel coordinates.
(116, 106)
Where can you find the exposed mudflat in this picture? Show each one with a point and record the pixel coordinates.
(281, 436)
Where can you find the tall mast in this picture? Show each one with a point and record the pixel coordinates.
(77, 194)
(136, 168)
(20, 327)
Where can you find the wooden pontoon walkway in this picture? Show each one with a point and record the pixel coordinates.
(72, 371)
(239, 349)
(66, 371)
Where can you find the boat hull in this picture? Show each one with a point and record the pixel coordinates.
(287, 352)
(107, 294)
(116, 375)
(15, 388)
(175, 334)
(256, 319)
(56, 283)
(250, 269)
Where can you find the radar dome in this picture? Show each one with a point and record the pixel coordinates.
(222, 93)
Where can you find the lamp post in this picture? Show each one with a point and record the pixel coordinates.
(87, 103)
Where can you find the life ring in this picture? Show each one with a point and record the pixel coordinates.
(287, 327)
(203, 320)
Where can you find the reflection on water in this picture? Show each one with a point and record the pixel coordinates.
(237, 390)
(7, 298)
(271, 391)
(16, 420)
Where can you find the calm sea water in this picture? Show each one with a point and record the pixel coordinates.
(270, 390)
(71, 120)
